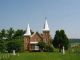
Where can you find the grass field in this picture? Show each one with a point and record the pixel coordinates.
(72, 54)
(43, 56)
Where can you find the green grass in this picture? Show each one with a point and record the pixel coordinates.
(72, 54)
(44, 56)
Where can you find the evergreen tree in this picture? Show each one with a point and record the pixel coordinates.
(10, 34)
(60, 40)
(2, 40)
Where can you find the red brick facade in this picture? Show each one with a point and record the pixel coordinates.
(26, 42)
(31, 40)
(46, 36)
(36, 37)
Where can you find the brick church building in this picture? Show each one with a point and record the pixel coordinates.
(31, 40)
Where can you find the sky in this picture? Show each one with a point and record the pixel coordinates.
(61, 14)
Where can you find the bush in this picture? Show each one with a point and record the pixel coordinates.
(41, 45)
(45, 47)
(49, 48)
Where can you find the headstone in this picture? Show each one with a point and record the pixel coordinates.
(63, 51)
(14, 52)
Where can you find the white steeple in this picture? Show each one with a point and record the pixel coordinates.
(28, 33)
(46, 27)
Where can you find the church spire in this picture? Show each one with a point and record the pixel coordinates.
(28, 33)
(46, 27)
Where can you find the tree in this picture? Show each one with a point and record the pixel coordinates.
(14, 39)
(2, 40)
(60, 40)
(10, 34)
(11, 39)
(18, 34)
(2, 34)
(64, 39)
(41, 45)
(1, 47)
(13, 46)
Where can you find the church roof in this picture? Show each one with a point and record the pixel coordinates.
(37, 34)
(28, 33)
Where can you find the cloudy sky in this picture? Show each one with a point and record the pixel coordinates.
(61, 14)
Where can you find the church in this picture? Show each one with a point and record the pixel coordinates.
(31, 40)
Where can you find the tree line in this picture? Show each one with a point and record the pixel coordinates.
(13, 40)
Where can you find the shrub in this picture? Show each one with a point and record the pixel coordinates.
(49, 48)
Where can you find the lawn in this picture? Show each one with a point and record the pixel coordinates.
(43, 56)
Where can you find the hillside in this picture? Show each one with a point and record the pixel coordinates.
(74, 40)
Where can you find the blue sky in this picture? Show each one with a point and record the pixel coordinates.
(61, 14)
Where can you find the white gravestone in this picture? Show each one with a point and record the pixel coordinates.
(14, 52)
(63, 51)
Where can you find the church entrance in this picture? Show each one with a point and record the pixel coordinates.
(33, 46)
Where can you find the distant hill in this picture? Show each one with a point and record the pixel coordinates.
(74, 40)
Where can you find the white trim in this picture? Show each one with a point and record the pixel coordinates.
(33, 42)
(33, 34)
